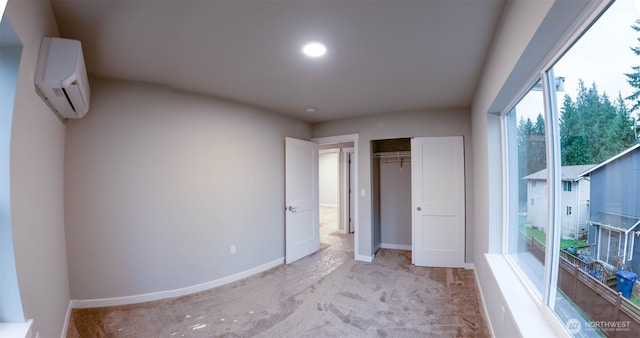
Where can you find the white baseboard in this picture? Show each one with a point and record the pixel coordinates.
(67, 319)
(485, 312)
(395, 246)
(88, 303)
(363, 258)
(470, 266)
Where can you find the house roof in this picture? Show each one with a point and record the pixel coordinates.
(621, 154)
(569, 172)
(615, 222)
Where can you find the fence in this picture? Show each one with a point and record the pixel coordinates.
(598, 301)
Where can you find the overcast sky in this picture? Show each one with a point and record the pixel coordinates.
(602, 56)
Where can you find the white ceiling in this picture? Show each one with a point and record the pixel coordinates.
(383, 56)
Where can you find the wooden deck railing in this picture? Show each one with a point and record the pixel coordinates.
(588, 265)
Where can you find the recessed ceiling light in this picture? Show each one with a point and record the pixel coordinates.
(314, 49)
(310, 109)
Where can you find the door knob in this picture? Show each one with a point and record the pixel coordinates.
(292, 208)
(419, 209)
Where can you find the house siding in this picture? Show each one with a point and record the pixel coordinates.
(614, 190)
(570, 200)
(537, 212)
(584, 187)
(574, 201)
(615, 186)
(574, 225)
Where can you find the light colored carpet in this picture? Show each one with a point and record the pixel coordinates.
(327, 294)
(328, 219)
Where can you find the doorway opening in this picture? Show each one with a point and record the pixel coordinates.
(391, 193)
(336, 178)
(347, 219)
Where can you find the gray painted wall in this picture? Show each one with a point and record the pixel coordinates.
(160, 184)
(395, 202)
(329, 178)
(37, 190)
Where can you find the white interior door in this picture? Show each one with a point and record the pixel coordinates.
(438, 221)
(302, 232)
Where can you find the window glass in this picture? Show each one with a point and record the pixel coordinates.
(528, 228)
(597, 111)
(10, 53)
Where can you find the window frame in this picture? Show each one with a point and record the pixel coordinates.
(543, 71)
(521, 308)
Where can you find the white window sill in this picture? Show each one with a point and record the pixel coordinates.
(529, 315)
(16, 330)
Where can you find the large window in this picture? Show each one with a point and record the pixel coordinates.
(575, 134)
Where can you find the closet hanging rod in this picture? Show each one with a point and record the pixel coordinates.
(395, 160)
(395, 154)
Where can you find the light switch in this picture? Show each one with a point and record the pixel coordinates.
(362, 193)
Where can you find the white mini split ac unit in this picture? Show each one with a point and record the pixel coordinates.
(61, 77)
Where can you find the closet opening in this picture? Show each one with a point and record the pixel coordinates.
(391, 193)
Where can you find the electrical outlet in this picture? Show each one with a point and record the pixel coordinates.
(232, 250)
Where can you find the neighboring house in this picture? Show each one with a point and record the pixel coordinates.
(615, 209)
(575, 200)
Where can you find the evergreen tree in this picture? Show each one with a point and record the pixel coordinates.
(525, 128)
(593, 129)
(531, 145)
(573, 140)
(605, 114)
(537, 156)
(634, 77)
(621, 133)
